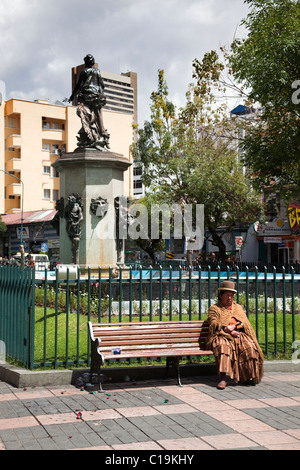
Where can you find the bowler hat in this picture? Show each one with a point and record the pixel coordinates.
(227, 285)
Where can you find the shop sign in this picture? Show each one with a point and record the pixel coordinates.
(278, 226)
(273, 240)
(25, 233)
(294, 217)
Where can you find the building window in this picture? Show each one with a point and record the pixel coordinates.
(137, 184)
(47, 147)
(47, 194)
(55, 148)
(137, 171)
(46, 125)
(12, 123)
(55, 173)
(46, 170)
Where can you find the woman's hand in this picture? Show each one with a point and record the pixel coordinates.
(235, 334)
(232, 331)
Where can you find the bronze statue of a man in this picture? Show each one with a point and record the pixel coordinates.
(74, 217)
(90, 96)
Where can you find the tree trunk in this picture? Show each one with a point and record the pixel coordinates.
(218, 241)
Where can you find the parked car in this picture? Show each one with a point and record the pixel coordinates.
(41, 262)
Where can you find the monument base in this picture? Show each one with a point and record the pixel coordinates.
(106, 271)
(96, 177)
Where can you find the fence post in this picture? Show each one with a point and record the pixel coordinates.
(141, 293)
(160, 292)
(180, 292)
(293, 304)
(120, 295)
(170, 293)
(266, 311)
(209, 286)
(247, 291)
(200, 292)
(45, 315)
(56, 319)
(256, 303)
(99, 294)
(150, 293)
(284, 308)
(275, 310)
(238, 283)
(190, 293)
(31, 323)
(110, 294)
(130, 293)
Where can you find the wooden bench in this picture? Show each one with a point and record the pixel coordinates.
(170, 339)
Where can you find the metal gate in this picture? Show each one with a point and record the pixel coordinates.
(17, 310)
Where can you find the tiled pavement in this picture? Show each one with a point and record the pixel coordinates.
(154, 416)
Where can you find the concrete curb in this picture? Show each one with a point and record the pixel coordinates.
(19, 377)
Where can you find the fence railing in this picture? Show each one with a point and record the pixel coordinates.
(17, 308)
(44, 319)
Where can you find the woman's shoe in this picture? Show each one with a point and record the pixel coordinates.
(249, 382)
(222, 385)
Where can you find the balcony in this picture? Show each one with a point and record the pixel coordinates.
(54, 135)
(14, 189)
(14, 141)
(12, 206)
(14, 164)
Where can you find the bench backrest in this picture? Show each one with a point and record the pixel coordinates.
(150, 335)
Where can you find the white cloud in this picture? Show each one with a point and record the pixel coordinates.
(42, 40)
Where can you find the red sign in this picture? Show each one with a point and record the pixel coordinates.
(238, 243)
(294, 217)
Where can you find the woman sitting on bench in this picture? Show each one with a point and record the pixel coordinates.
(233, 340)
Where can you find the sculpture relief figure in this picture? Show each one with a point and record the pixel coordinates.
(90, 95)
(99, 207)
(74, 217)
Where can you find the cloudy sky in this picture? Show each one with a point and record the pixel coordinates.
(41, 40)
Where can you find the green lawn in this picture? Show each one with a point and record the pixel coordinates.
(73, 343)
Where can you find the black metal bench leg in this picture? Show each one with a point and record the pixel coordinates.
(178, 375)
(174, 361)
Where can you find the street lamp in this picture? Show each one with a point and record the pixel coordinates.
(22, 202)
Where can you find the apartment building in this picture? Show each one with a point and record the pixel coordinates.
(2, 175)
(33, 132)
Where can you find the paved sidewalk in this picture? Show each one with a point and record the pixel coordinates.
(154, 416)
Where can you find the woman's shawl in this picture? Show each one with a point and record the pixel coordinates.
(219, 316)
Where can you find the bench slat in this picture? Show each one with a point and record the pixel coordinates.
(158, 345)
(127, 331)
(137, 331)
(144, 336)
(149, 325)
(158, 353)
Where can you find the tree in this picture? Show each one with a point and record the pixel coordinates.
(190, 157)
(267, 63)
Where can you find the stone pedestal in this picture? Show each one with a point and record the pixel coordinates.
(92, 174)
